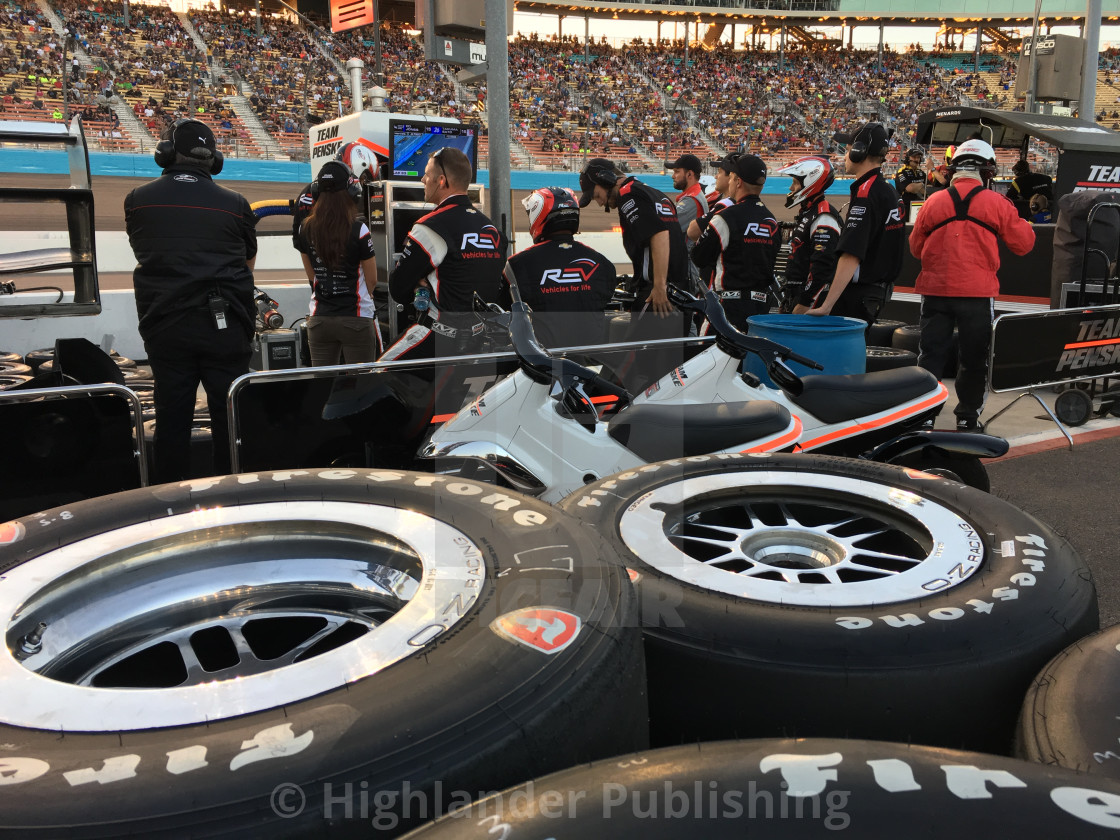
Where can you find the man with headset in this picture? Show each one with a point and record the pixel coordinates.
(910, 180)
(651, 234)
(195, 245)
(452, 253)
(871, 244)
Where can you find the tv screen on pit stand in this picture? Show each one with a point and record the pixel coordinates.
(411, 142)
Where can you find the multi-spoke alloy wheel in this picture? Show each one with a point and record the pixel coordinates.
(807, 595)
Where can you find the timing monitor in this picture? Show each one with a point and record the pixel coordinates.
(411, 142)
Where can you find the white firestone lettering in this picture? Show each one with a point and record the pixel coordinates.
(384, 475)
(904, 620)
(979, 606)
(805, 775)
(186, 759)
(274, 742)
(968, 782)
(854, 622)
(112, 770)
(1024, 579)
(946, 613)
(893, 775)
(500, 502)
(429, 480)
(336, 475)
(15, 770)
(529, 517)
(1005, 593)
(464, 489)
(1093, 806)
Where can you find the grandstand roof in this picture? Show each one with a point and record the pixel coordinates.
(832, 12)
(1008, 129)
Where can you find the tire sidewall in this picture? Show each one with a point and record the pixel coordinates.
(467, 709)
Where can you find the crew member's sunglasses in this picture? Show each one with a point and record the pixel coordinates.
(435, 156)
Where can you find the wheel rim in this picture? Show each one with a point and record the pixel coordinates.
(806, 539)
(225, 611)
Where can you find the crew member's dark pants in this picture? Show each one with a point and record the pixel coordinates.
(187, 353)
(739, 310)
(862, 301)
(973, 320)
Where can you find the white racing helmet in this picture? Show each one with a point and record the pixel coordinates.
(815, 174)
(975, 155)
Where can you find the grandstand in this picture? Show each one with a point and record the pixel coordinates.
(640, 103)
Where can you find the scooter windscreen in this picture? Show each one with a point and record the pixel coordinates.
(540, 365)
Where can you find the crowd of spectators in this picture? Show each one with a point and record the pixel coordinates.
(638, 102)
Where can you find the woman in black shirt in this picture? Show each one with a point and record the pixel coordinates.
(338, 256)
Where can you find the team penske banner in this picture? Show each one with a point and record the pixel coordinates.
(1062, 345)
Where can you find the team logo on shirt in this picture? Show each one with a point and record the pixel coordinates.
(579, 271)
(664, 208)
(766, 228)
(186, 179)
(486, 240)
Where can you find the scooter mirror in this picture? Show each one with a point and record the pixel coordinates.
(784, 377)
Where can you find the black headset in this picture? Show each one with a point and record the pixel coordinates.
(166, 151)
(604, 176)
(346, 181)
(860, 149)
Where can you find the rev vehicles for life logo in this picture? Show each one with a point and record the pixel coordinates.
(486, 240)
(578, 271)
(541, 628)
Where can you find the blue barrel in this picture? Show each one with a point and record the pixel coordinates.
(833, 342)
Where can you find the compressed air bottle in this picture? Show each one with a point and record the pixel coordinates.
(423, 299)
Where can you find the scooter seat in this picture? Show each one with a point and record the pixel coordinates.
(836, 398)
(657, 432)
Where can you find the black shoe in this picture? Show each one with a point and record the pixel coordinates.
(969, 424)
(927, 424)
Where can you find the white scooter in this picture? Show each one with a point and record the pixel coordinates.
(876, 416)
(540, 428)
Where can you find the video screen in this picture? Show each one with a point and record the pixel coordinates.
(411, 142)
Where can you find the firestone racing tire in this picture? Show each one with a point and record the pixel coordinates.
(1069, 715)
(800, 595)
(396, 640)
(786, 790)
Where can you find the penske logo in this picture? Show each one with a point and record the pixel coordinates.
(579, 271)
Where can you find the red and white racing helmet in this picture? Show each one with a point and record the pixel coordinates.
(815, 174)
(551, 209)
(362, 156)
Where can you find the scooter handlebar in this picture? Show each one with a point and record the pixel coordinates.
(731, 338)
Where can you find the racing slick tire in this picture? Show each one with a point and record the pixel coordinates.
(1069, 715)
(791, 790)
(811, 596)
(289, 652)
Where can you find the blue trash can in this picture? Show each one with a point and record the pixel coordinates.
(834, 342)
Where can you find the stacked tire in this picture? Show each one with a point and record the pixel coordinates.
(306, 650)
(810, 596)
